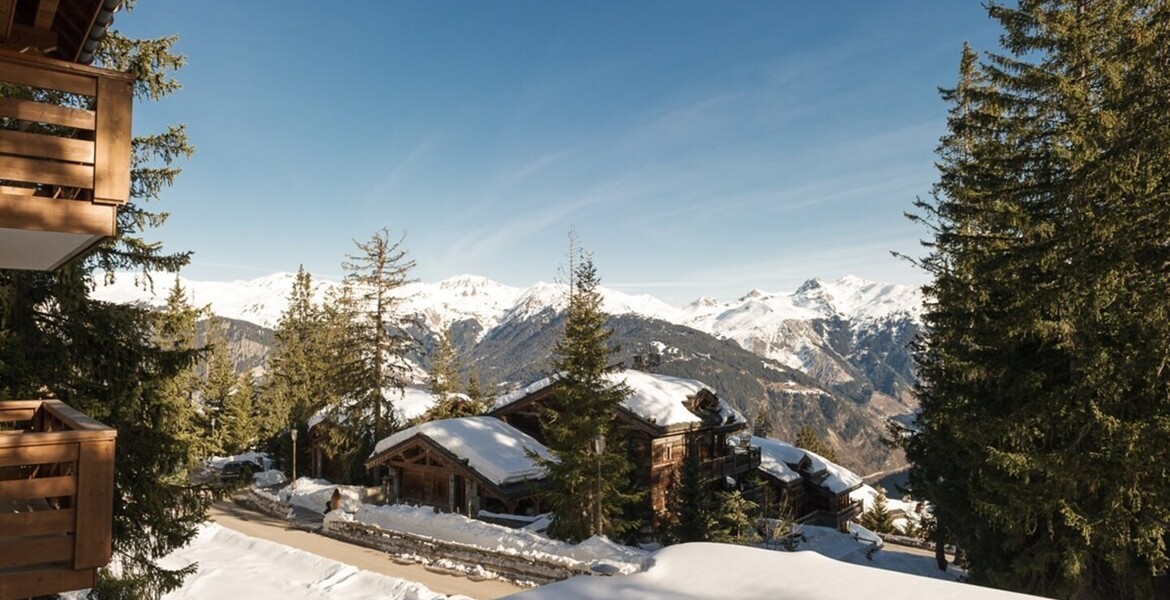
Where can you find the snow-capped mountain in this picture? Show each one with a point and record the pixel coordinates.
(833, 355)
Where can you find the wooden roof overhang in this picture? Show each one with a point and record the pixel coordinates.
(65, 132)
(511, 491)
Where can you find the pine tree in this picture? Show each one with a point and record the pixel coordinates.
(586, 488)
(807, 439)
(734, 519)
(691, 518)
(221, 381)
(878, 518)
(475, 393)
(443, 379)
(1045, 406)
(103, 359)
(238, 430)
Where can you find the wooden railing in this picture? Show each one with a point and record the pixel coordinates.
(737, 462)
(65, 143)
(56, 498)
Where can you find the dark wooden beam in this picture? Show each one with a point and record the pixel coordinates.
(7, 12)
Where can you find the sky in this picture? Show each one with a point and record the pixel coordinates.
(696, 148)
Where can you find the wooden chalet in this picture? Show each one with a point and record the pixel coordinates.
(806, 486)
(462, 465)
(665, 418)
(64, 170)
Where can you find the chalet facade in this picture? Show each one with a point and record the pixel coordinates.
(665, 418)
(807, 487)
(64, 170)
(462, 465)
(409, 404)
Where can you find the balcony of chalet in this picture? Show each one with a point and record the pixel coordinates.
(64, 158)
(56, 498)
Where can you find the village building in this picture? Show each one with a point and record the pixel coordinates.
(664, 418)
(805, 486)
(410, 403)
(464, 465)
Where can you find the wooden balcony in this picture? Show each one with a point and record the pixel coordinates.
(65, 151)
(56, 498)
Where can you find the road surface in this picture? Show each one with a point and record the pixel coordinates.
(259, 525)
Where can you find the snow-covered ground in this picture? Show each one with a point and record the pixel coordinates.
(233, 565)
(704, 571)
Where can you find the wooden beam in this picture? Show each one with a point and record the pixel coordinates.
(23, 552)
(111, 177)
(27, 584)
(7, 13)
(39, 522)
(65, 216)
(38, 455)
(42, 171)
(39, 112)
(39, 77)
(95, 505)
(46, 10)
(47, 487)
(33, 145)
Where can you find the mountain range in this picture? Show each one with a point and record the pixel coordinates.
(831, 355)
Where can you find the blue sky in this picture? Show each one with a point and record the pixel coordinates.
(698, 148)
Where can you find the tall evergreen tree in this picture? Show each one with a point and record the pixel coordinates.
(298, 383)
(691, 518)
(1045, 404)
(444, 379)
(878, 518)
(221, 383)
(237, 427)
(104, 359)
(588, 492)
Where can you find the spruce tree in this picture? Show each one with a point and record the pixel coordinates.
(878, 518)
(762, 425)
(104, 359)
(585, 488)
(444, 378)
(734, 519)
(691, 518)
(220, 383)
(298, 383)
(1045, 405)
(238, 430)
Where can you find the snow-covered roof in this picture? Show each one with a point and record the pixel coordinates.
(658, 399)
(700, 571)
(775, 456)
(408, 403)
(777, 459)
(491, 447)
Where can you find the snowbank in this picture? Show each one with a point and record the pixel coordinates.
(260, 458)
(314, 494)
(269, 478)
(715, 571)
(233, 565)
(424, 521)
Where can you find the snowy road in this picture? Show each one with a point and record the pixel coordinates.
(262, 526)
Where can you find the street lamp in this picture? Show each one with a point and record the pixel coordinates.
(598, 449)
(293, 433)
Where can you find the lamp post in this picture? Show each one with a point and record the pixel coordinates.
(598, 449)
(293, 433)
